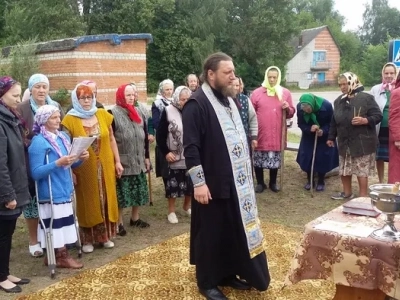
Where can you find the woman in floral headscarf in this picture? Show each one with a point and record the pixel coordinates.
(170, 142)
(14, 192)
(314, 116)
(97, 206)
(381, 93)
(355, 116)
(54, 145)
(130, 132)
(38, 86)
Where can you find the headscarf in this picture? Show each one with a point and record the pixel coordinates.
(34, 79)
(87, 82)
(6, 83)
(77, 109)
(353, 84)
(121, 101)
(175, 97)
(388, 86)
(276, 89)
(42, 115)
(161, 86)
(26, 96)
(315, 103)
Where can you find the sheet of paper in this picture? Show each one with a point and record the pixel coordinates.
(80, 144)
(352, 229)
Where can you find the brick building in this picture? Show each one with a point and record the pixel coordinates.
(109, 59)
(316, 58)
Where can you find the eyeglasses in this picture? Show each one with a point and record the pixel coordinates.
(85, 98)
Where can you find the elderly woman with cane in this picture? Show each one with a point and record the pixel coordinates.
(355, 116)
(14, 191)
(49, 158)
(314, 116)
(39, 87)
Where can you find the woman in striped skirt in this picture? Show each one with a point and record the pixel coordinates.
(48, 156)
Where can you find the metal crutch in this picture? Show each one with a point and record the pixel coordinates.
(73, 196)
(50, 252)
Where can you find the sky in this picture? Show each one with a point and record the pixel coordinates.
(353, 10)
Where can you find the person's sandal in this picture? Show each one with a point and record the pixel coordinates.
(36, 250)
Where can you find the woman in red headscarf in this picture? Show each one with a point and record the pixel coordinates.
(130, 130)
(394, 133)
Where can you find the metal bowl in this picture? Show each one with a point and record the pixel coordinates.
(383, 199)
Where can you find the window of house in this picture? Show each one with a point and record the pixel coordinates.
(319, 56)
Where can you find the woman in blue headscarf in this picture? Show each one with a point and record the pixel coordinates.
(38, 86)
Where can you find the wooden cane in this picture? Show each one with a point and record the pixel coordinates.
(150, 188)
(312, 164)
(283, 140)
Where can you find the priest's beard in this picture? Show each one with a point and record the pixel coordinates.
(226, 91)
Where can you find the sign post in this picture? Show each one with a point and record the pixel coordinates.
(395, 55)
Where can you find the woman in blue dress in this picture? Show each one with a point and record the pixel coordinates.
(314, 116)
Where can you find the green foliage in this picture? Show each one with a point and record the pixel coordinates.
(380, 22)
(63, 97)
(22, 62)
(373, 59)
(43, 20)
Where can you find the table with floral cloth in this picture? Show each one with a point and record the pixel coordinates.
(337, 247)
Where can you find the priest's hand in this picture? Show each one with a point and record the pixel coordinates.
(202, 194)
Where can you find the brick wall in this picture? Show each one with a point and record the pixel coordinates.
(109, 60)
(324, 41)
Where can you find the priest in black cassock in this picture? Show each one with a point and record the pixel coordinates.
(226, 242)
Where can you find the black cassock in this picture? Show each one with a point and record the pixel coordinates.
(218, 244)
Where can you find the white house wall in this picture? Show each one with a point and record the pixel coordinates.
(298, 68)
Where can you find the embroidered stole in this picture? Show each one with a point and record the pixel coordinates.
(236, 141)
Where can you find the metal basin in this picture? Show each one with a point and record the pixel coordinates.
(383, 199)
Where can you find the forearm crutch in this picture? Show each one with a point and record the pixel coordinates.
(74, 204)
(48, 232)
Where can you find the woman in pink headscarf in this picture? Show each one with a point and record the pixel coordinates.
(381, 93)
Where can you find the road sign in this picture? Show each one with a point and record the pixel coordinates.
(396, 53)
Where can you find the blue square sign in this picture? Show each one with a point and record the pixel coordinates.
(396, 52)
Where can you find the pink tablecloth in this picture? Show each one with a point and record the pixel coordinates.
(335, 253)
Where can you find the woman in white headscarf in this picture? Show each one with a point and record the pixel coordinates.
(163, 100)
(170, 142)
(38, 86)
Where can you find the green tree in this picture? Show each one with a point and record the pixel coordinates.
(22, 62)
(380, 22)
(44, 20)
(369, 70)
(257, 35)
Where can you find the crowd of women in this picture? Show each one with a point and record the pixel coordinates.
(360, 130)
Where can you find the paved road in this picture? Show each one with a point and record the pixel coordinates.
(330, 96)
